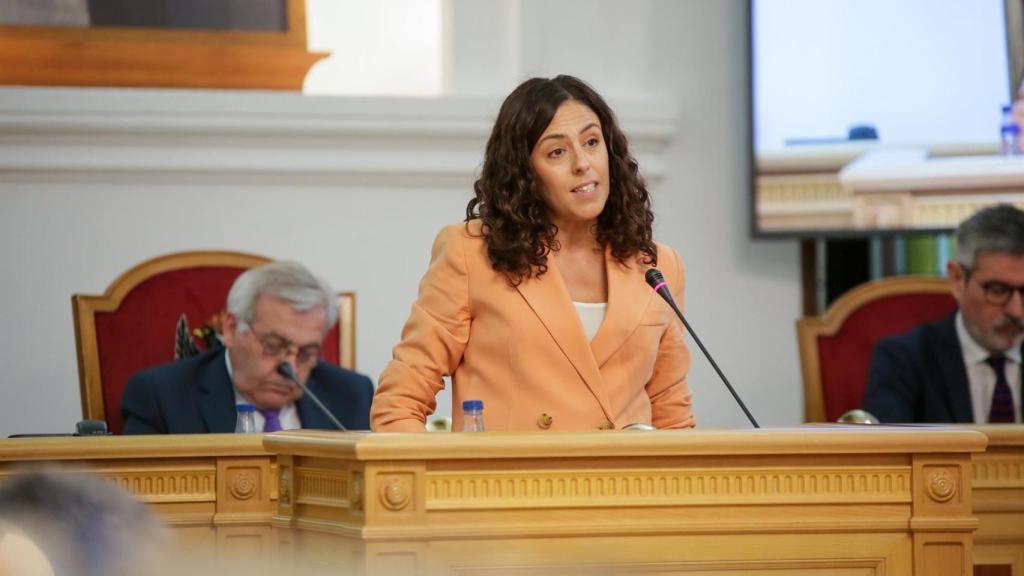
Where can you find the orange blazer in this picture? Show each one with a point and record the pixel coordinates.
(522, 349)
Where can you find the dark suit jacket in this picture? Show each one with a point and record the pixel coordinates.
(920, 377)
(195, 395)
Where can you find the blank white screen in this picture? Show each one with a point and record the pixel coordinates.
(920, 71)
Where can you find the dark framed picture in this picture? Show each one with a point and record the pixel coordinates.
(243, 44)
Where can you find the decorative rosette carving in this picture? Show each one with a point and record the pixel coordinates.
(395, 494)
(243, 485)
(941, 485)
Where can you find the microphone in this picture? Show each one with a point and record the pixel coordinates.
(285, 369)
(657, 281)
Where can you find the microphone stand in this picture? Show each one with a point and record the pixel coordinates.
(285, 369)
(658, 283)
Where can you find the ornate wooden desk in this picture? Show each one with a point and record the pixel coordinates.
(814, 500)
(217, 491)
(999, 500)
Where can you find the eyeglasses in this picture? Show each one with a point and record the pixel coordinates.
(996, 293)
(278, 348)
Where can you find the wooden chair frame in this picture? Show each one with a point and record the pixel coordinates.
(85, 307)
(810, 328)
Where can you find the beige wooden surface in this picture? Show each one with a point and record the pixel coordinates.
(999, 498)
(214, 490)
(811, 500)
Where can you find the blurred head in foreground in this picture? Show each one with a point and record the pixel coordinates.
(19, 554)
(75, 523)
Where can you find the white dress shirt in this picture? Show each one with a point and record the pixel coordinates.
(288, 415)
(982, 378)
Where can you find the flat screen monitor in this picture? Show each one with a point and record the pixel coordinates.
(850, 96)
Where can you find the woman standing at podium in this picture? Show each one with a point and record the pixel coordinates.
(537, 303)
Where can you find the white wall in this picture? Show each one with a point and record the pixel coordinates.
(357, 189)
(743, 296)
(404, 37)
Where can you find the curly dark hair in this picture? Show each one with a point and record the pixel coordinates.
(516, 227)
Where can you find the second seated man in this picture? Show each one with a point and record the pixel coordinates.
(967, 367)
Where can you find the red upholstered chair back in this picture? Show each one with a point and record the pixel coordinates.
(132, 325)
(835, 348)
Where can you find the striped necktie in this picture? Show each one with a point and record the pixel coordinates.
(272, 420)
(1002, 401)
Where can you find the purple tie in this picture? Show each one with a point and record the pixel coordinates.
(271, 420)
(1002, 401)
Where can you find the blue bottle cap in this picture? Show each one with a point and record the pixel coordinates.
(473, 405)
(245, 408)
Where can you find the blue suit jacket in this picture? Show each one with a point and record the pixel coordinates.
(920, 377)
(195, 395)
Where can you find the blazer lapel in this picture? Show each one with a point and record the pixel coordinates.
(217, 397)
(952, 372)
(549, 300)
(628, 299)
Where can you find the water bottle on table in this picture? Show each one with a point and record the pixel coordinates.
(473, 416)
(245, 423)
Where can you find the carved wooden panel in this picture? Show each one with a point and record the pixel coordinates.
(875, 567)
(155, 485)
(998, 494)
(998, 472)
(511, 489)
(244, 491)
(322, 487)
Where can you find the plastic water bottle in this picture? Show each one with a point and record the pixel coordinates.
(246, 421)
(1009, 133)
(473, 416)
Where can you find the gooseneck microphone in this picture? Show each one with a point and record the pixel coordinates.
(657, 281)
(285, 369)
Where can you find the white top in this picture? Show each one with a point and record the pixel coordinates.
(982, 378)
(288, 415)
(591, 316)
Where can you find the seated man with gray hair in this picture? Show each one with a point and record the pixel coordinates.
(278, 312)
(967, 367)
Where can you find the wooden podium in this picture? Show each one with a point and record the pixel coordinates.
(998, 487)
(812, 500)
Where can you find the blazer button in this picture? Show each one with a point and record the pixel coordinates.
(544, 421)
(606, 425)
